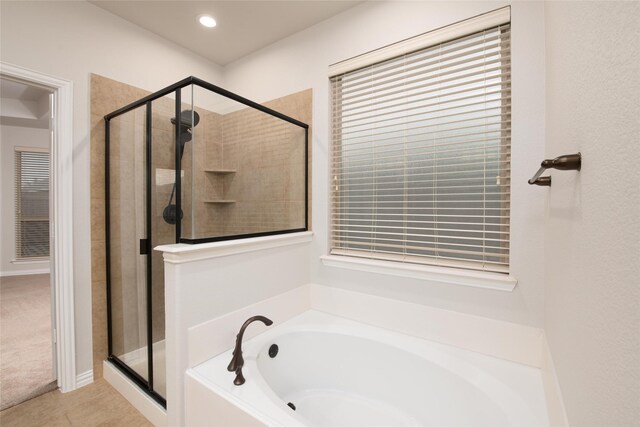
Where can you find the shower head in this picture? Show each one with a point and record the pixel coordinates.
(188, 119)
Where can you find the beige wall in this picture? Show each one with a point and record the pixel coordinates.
(592, 231)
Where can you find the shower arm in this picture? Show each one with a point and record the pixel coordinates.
(565, 163)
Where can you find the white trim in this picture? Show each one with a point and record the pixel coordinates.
(148, 407)
(25, 272)
(61, 215)
(431, 38)
(183, 253)
(31, 149)
(84, 378)
(24, 261)
(453, 276)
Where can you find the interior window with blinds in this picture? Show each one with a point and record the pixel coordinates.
(32, 204)
(421, 155)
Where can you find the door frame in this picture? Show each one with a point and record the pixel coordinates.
(60, 216)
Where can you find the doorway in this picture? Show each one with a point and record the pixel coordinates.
(27, 342)
(60, 217)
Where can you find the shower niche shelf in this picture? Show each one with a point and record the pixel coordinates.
(220, 174)
(220, 171)
(220, 202)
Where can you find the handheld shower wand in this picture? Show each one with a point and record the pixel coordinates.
(188, 120)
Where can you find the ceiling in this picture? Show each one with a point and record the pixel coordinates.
(15, 90)
(243, 26)
(23, 105)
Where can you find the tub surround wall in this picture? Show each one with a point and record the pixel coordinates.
(209, 285)
(504, 340)
(209, 280)
(517, 343)
(592, 221)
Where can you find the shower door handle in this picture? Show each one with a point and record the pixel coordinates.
(144, 246)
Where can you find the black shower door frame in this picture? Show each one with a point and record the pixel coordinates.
(146, 245)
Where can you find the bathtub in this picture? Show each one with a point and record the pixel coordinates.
(337, 372)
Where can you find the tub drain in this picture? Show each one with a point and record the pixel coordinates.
(291, 405)
(273, 350)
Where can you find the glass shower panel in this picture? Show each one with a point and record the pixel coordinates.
(189, 147)
(248, 173)
(127, 222)
(241, 173)
(163, 220)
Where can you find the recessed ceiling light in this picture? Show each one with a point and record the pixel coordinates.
(207, 21)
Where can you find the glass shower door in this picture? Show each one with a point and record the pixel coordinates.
(141, 193)
(163, 201)
(127, 211)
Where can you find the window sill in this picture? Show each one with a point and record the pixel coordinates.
(30, 261)
(446, 275)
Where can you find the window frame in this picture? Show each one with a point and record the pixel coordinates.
(338, 257)
(19, 221)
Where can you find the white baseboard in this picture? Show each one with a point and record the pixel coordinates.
(84, 378)
(25, 272)
(148, 407)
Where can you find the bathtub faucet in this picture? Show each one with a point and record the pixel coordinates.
(237, 361)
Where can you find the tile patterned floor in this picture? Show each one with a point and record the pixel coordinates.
(97, 404)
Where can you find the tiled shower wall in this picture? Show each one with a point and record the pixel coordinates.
(263, 160)
(266, 186)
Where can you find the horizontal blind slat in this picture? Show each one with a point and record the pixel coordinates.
(421, 155)
(31, 204)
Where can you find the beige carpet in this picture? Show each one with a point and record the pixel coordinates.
(26, 366)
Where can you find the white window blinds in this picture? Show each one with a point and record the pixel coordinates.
(421, 155)
(32, 203)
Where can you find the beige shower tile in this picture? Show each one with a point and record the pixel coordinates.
(99, 325)
(98, 261)
(296, 214)
(97, 220)
(108, 95)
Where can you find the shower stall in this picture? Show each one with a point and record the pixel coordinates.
(191, 163)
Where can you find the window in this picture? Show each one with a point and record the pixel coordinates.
(421, 149)
(32, 203)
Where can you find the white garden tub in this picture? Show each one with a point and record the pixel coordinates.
(338, 372)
